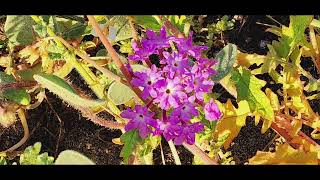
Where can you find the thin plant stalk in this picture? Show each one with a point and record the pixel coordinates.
(174, 153)
(25, 137)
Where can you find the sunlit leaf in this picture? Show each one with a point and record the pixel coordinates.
(120, 93)
(147, 22)
(292, 36)
(249, 89)
(232, 121)
(70, 157)
(18, 95)
(32, 156)
(19, 29)
(285, 154)
(130, 140)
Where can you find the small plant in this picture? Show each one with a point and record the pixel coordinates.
(32, 156)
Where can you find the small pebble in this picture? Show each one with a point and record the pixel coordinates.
(88, 146)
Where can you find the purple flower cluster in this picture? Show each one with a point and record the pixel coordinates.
(177, 87)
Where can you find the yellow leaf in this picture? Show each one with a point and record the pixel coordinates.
(294, 88)
(315, 134)
(117, 141)
(256, 118)
(274, 101)
(232, 121)
(247, 60)
(229, 85)
(285, 154)
(297, 125)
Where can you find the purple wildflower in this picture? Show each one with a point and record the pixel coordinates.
(175, 63)
(153, 40)
(204, 66)
(198, 85)
(211, 111)
(174, 87)
(170, 93)
(172, 131)
(142, 53)
(140, 118)
(187, 133)
(147, 80)
(185, 46)
(183, 113)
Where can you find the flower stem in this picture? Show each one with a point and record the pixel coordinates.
(202, 155)
(100, 121)
(164, 115)
(171, 27)
(174, 153)
(116, 58)
(162, 155)
(109, 48)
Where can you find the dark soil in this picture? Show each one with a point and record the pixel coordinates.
(76, 133)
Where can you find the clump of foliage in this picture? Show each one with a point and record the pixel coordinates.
(31, 156)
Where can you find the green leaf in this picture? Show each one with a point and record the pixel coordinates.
(40, 30)
(130, 140)
(178, 21)
(70, 157)
(76, 31)
(126, 47)
(145, 150)
(55, 52)
(61, 88)
(17, 95)
(32, 156)
(3, 43)
(102, 52)
(101, 19)
(3, 161)
(120, 93)
(27, 74)
(148, 22)
(226, 58)
(313, 85)
(120, 30)
(249, 89)
(69, 29)
(292, 36)
(19, 29)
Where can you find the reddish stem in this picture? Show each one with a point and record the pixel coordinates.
(164, 116)
(281, 125)
(171, 27)
(198, 152)
(15, 85)
(109, 48)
